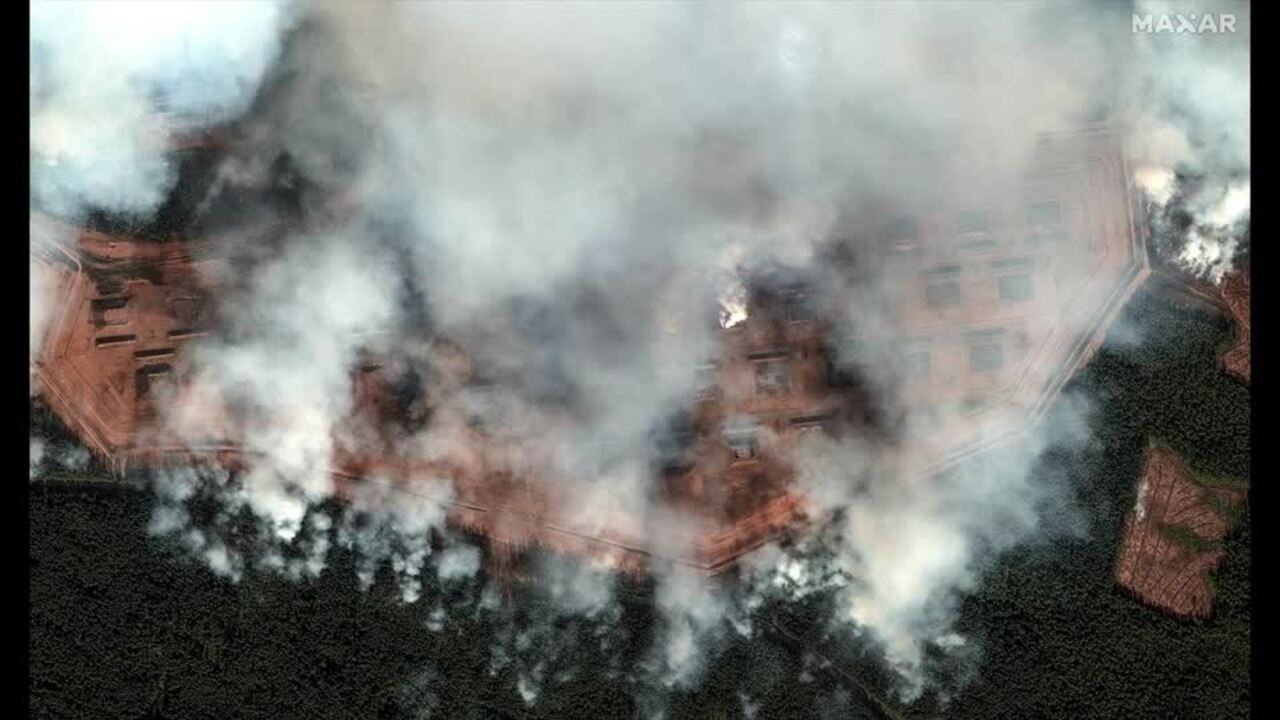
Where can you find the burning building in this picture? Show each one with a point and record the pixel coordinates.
(995, 300)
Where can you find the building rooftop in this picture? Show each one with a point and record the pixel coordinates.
(997, 301)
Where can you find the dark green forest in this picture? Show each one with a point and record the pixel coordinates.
(123, 625)
(1058, 639)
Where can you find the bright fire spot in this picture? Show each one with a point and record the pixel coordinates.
(1157, 182)
(733, 306)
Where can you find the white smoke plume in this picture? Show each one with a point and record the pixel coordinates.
(907, 545)
(290, 370)
(63, 457)
(175, 489)
(1191, 117)
(109, 82)
(74, 457)
(693, 614)
(37, 456)
(1211, 245)
(458, 563)
(561, 186)
(105, 74)
(385, 525)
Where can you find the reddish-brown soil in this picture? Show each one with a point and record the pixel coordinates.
(1171, 538)
(1235, 293)
(117, 367)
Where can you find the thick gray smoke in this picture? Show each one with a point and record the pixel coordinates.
(569, 189)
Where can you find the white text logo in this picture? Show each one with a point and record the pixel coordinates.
(1179, 23)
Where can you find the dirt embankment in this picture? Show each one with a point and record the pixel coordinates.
(1235, 293)
(1172, 537)
(1231, 297)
